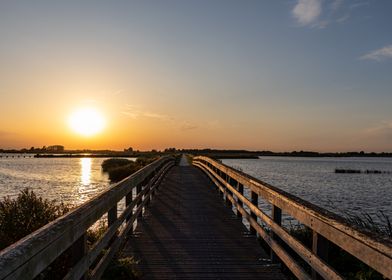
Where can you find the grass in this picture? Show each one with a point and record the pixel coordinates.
(367, 223)
(344, 263)
(28, 212)
(122, 268)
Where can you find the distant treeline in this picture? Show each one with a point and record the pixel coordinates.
(253, 154)
(215, 153)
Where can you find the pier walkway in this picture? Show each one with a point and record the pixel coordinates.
(188, 233)
(187, 229)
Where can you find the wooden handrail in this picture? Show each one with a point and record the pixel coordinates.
(375, 252)
(28, 257)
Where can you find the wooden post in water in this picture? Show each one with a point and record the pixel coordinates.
(255, 201)
(320, 247)
(277, 217)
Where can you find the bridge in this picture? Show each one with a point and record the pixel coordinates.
(187, 221)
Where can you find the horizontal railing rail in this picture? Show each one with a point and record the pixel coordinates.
(30, 256)
(326, 226)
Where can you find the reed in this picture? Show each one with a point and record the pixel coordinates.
(347, 265)
(120, 168)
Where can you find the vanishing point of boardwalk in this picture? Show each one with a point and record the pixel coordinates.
(188, 233)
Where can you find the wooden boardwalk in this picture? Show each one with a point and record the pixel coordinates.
(188, 233)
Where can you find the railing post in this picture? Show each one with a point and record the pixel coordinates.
(319, 247)
(79, 250)
(112, 215)
(154, 190)
(128, 201)
(240, 188)
(277, 217)
(217, 171)
(228, 192)
(147, 196)
(139, 188)
(255, 201)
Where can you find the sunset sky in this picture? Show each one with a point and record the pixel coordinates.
(259, 75)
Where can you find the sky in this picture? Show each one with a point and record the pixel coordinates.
(260, 75)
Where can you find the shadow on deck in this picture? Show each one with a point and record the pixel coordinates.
(188, 233)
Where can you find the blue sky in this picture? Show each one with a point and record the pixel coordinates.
(279, 75)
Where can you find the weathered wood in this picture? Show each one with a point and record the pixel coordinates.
(112, 215)
(240, 188)
(78, 251)
(187, 234)
(36, 251)
(84, 264)
(320, 248)
(297, 270)
(128, 200)
(312, 259)
(375, 252)
(139, 189)
(254, 198)
(277, 218)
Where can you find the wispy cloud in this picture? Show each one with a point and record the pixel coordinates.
(187, 125)
(320, 13)
(136, 112)
(153, 115)
(360, 4)
(379, 55)
(307, 11)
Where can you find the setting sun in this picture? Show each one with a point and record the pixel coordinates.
(86, 121)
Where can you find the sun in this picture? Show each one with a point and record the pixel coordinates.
(86, 121)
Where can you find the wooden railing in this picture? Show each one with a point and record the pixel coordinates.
(30, 256)
(326, 226)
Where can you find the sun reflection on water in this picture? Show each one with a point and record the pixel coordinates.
(85, 177)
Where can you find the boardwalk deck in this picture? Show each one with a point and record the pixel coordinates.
(188, 233)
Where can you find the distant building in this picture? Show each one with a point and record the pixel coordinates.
(55, 148)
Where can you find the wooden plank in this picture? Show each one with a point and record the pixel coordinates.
(375, 252)
(319, 265)
(294, 267)
(36, 251)
(103, 263)
(78, 270)
(188, 233)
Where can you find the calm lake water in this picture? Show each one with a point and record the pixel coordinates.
(315, 180)
(76, 180)
(70, 180)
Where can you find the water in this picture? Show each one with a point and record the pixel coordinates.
(314, 180)
(76, 180)
(69, 180)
